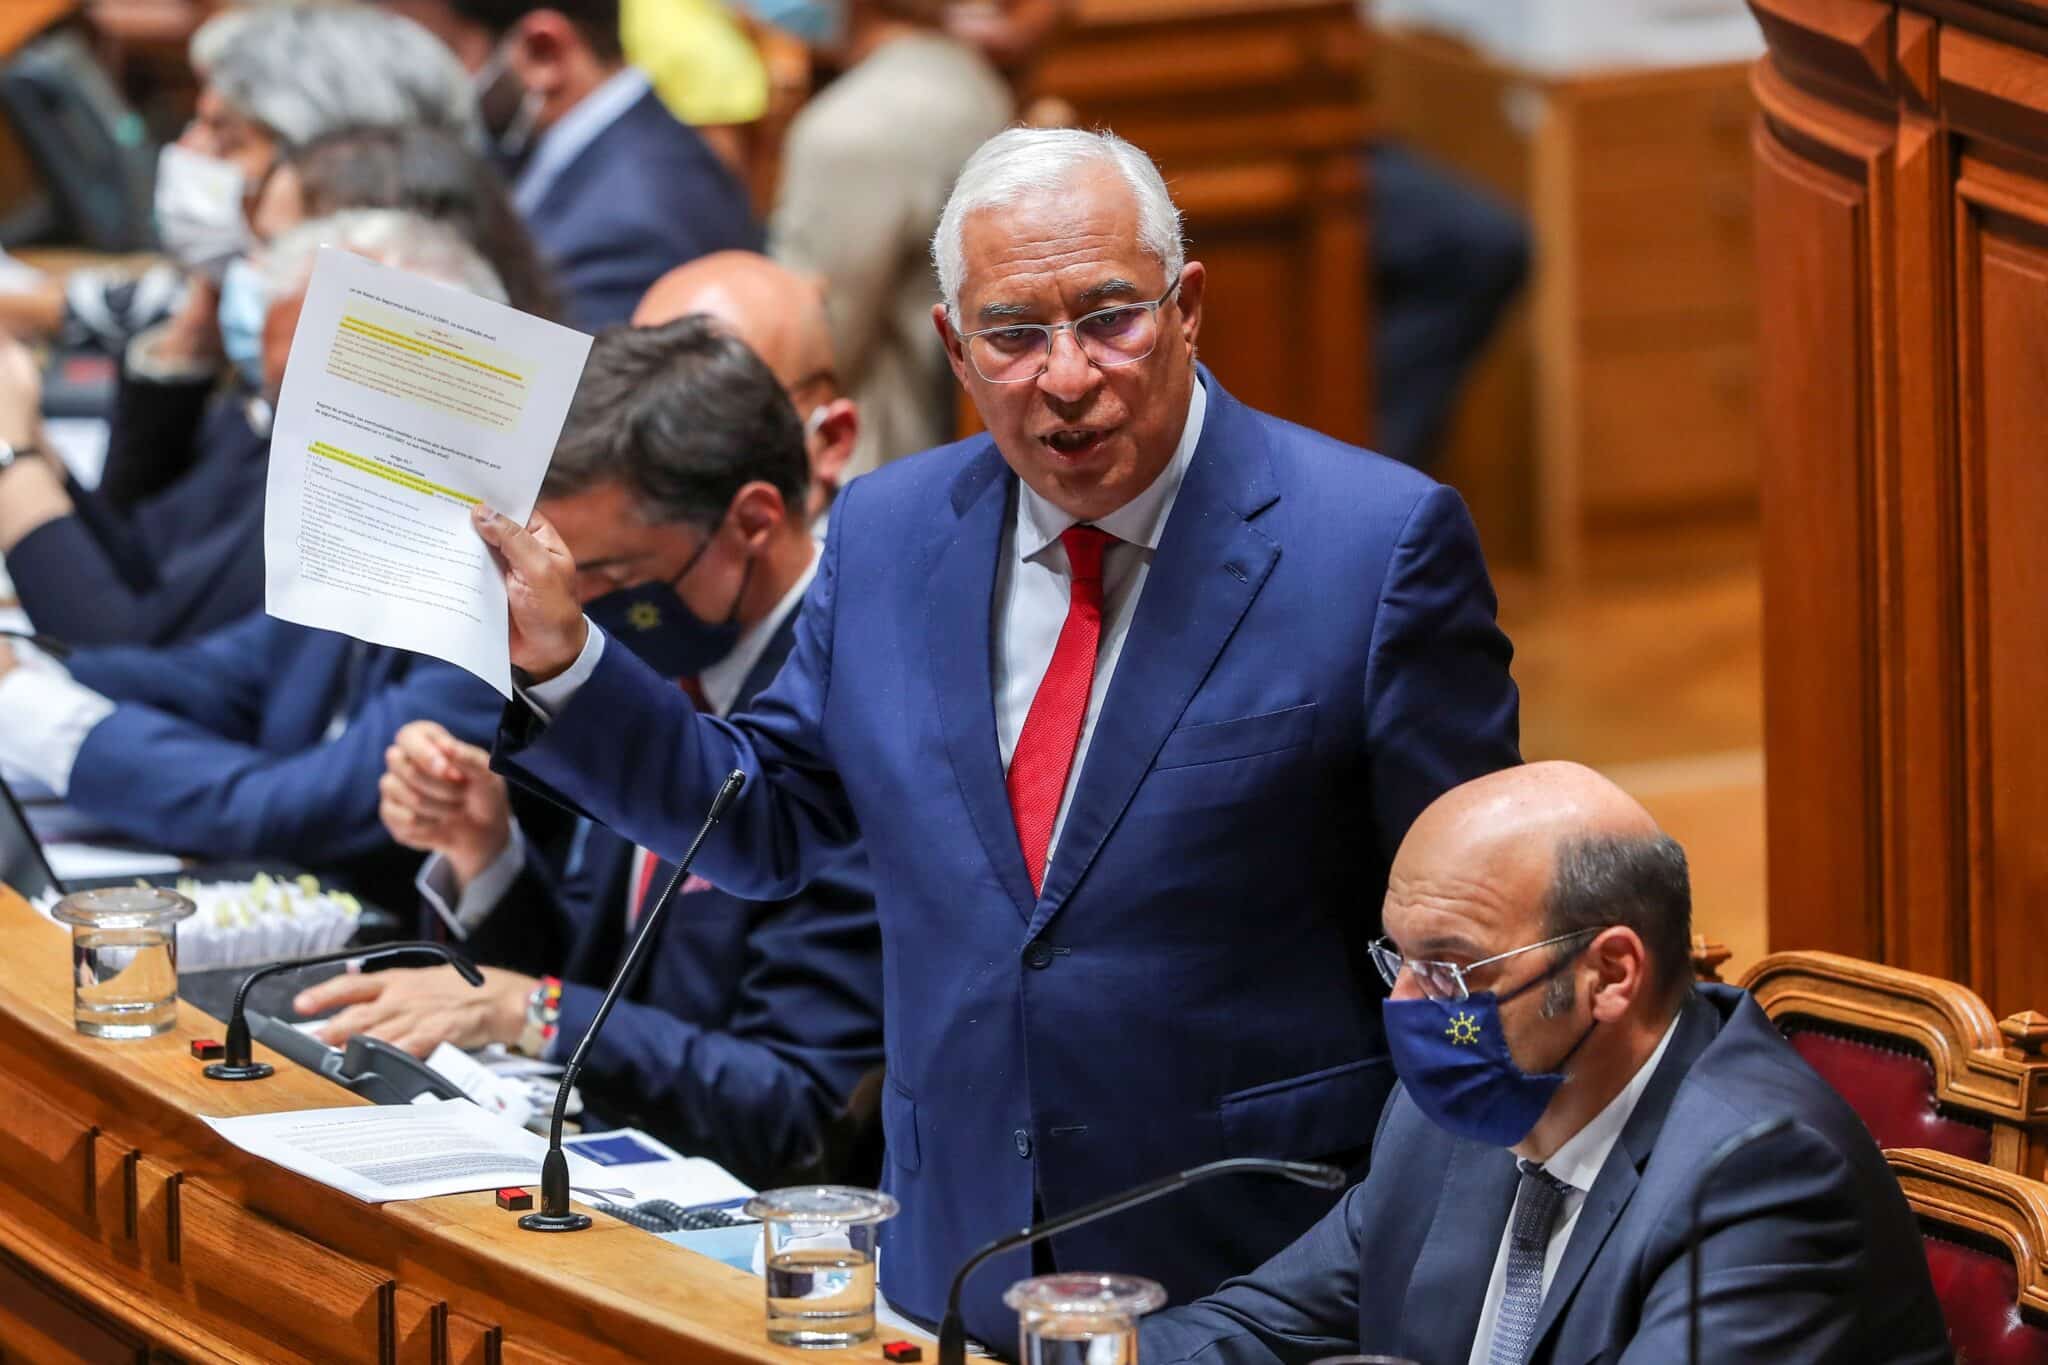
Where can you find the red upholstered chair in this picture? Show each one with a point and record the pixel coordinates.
(1919, 1058)
(1987, 1237)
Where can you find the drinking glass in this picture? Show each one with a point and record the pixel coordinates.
(1082, 1318)
(819, 1248)
(124, 959)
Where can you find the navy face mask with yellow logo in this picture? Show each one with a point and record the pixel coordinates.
(652, 621)
(1453, 1059)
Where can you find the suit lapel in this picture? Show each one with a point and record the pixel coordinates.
(1447, 1291)
(1210, 565)
(1622, 1171)
(962, 579)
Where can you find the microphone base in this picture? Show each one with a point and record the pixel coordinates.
(238, 1071)
(555, 1222)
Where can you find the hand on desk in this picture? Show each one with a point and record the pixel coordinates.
(419, 1008)
(547, 626)
(439, 795)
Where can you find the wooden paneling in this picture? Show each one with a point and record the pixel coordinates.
(1903, 258)
(47, 1154)
(40, 1324)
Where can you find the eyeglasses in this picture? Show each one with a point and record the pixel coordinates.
(1446, 980)
(1018, 352)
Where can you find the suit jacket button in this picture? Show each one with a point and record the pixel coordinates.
(1023, 1141)
(1039, 955)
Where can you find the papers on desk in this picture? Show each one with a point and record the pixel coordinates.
(405, 403)
(383, 1152)
(654, 1170)
(77, 862)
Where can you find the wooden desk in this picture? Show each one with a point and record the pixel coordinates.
(128, 1227)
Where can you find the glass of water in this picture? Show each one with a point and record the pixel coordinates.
(1081, 1319)
(124, 959)
(819, 1245)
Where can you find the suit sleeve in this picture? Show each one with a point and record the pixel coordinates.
(153, 437)
(163, 777)
(74, 588)
(1440, 706)
(1299, 1306)
(528, 930)
(217, 681)
(759, 1094)
(632, 753)
(1783, 1262)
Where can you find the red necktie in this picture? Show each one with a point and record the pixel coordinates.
(1052, 728)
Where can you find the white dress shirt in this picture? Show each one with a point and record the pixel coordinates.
(567, 138)
(1577, 1163)
(49, 714)
(1030, 604)
(462, 912)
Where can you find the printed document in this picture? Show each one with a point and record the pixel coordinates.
(406, 403)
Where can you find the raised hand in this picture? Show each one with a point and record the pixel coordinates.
(547, 626)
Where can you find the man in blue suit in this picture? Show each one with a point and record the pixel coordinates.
(615, 190)
(1129, 702)
(1564, 1087)
(260, 740)
(749, 1024)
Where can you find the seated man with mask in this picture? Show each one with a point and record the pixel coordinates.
(1563, 1084)
(680, 480)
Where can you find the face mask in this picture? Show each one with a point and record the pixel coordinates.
(508, 111)
(671, 639)
(244, 302)
(1453, 1058)
(199, 210)
(820, 23)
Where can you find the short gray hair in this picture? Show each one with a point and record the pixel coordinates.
(303, 71)
(1020, 161)
(403, 241)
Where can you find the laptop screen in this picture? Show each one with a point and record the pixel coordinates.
(22, 864)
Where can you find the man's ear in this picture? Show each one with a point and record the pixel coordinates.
(956, 354)
(543, 44)
(1620, 971)
(832, 442)
(1194, 280)
(757, 511)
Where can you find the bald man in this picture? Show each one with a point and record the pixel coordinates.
(780, 316)
(1564, 1085)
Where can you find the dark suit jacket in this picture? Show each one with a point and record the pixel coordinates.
(1811, 1254)
(1313, 660)
(171, 545)
(748, 1024)
(644, 197)
(218, 747)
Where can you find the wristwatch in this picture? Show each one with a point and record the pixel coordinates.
(9, 452)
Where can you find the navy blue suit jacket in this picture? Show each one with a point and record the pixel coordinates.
(645, 196)
(1811, 1254)
(749, 1022)
(218, 746)
(171, 546)
(1313, 660)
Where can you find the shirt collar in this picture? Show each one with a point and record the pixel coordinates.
(1139, 521)
(723, 680)
(568, 137)
(1578, 1160)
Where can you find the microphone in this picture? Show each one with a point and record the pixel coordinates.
(554, 1213)
(237, 1064)
(1755, 1133)
(953, 1332)
(49, 644)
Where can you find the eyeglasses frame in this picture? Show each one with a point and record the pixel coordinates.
(1457, 973)
(1053, 329)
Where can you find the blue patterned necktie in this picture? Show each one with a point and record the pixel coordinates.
(1538, 1199)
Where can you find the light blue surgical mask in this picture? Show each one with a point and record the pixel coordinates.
(244, 302)
(820, 23)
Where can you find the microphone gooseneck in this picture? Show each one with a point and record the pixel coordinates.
(554, 1213)
(1755, 1133)
(238, 1063)
(953, 1333)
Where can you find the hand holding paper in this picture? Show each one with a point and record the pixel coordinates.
(547, 628)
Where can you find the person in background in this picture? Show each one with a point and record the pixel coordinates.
(679, 478)
(614, 188)
(701, 61)
(865, 170)
(261, 739)
(187, 557)
(1564, 1085)
(780, 315)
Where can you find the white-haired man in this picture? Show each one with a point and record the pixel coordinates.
(1130, 700)
(262, 738)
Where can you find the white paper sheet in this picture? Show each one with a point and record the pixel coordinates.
(71, 862)
(384, 1152)
(405, 402)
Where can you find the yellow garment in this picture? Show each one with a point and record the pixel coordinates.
(701, 61)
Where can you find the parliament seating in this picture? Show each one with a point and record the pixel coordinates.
(1987, 1248)
(1919, 1058)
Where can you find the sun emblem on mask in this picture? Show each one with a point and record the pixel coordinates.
(1463, 1029)
(643, 616)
